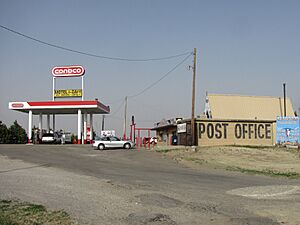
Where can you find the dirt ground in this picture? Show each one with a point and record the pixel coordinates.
(267, 160)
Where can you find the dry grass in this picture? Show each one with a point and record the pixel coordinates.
(268, 161)
(20, 213)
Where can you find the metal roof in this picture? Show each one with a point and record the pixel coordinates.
(163, 124)
(60, 107)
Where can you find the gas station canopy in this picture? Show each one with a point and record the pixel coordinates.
(60, 107)
(80, 108)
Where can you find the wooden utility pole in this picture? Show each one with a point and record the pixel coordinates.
(193, 100)
(284, 100)
(125, 119)
(103, 117)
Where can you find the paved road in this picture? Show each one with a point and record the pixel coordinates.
(141, 187)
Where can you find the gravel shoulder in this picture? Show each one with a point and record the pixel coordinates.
(267, 161)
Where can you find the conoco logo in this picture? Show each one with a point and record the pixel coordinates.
(68, 71)
(17, 105)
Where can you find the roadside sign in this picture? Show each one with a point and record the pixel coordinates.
(181, 128)
(68, 71)
(108, 133)
(68, 93)
(288, 130)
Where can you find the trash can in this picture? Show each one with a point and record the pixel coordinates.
(174, 140)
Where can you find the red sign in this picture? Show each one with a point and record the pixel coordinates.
(68, 71)
(17, 105)
(88, 133)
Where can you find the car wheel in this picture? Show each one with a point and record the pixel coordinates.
(127, 146)
(101, 146)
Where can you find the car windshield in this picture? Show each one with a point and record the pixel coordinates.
(48, 135)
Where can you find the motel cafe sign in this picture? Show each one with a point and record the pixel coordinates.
(68, 71)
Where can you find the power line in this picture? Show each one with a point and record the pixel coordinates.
(114, 118)
(116, 101)
(118, 109)
(164, 76)
(146, 121)
(153, 84)
(89, 54)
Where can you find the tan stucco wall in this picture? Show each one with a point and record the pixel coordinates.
(238, 132)
(248, 107)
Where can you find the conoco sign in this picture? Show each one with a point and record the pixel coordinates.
(68, 71)
(17, 105)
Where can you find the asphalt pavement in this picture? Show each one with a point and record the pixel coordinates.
(141, 187)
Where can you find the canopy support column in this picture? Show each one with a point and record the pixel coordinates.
(53, 122)
(41, 125)
(29, 126)
(85, 127)
(48, 123)
(91, 129)
(79, 126)
(82, 127)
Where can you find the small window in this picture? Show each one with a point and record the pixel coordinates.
(114, 139)
(105, 139)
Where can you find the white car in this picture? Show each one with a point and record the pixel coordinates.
(51, 138)
(112, 142)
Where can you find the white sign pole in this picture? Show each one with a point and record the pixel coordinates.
(82, 85)
(53, 90)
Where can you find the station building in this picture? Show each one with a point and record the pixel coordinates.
(233, 120)
(165, 130)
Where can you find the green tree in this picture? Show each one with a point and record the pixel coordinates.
(17, 135)
(3, 133)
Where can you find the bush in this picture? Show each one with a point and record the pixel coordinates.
(3, 133)
(13, 135)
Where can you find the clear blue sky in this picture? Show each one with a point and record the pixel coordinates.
(244, 47)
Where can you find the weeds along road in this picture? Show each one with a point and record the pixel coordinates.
(141, 187)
